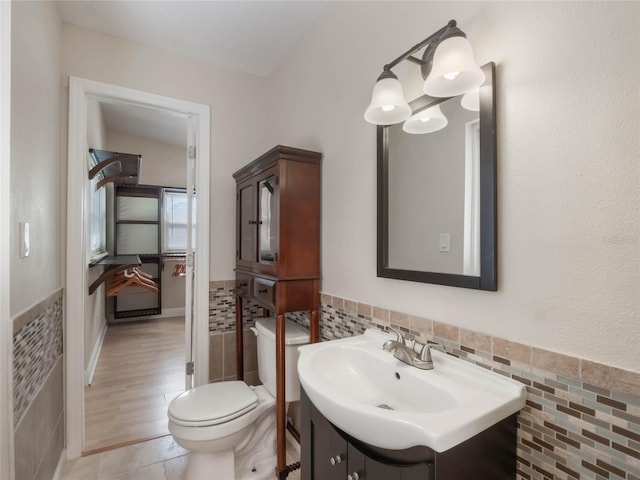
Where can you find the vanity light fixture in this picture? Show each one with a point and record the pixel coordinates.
(447, 65)
(471, 100)
(428, 120)
(388, 104)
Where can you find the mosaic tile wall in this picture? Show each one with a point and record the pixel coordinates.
(222, 307)
(581, 419)
(37, 345)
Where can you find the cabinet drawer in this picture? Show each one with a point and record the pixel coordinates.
(264, 291)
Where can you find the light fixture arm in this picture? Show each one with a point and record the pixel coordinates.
(432, 41)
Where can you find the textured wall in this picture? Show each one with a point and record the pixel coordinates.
(568, 170)
(36, 193)
(35, 152)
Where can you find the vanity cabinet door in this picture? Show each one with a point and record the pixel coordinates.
(329, 451)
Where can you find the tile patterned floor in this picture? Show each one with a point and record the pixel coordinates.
(159, 459)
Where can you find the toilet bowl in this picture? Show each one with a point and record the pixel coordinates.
(230, 427)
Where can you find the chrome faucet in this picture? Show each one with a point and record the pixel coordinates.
(399, 348)
(408, 355)
(424, 361)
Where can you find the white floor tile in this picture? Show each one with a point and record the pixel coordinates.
(134, 457)
(159, 459)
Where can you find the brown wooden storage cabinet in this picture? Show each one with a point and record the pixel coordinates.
(278, 252)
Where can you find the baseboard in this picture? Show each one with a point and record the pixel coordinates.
(57, 475)
(95, 355)
(166, 313)
(170, 312)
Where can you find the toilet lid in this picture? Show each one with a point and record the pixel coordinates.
(212, 404)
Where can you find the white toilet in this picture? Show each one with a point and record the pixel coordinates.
(230, 427)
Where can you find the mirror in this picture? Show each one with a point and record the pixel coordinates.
(437, 195)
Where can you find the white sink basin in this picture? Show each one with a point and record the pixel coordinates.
(379, 400)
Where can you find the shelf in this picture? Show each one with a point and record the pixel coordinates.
(119, 168)
(137, 222)
(113, 266)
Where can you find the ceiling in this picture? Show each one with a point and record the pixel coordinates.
(250, 36)
(156, 125)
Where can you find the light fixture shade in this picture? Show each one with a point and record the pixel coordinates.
(426, 121)
(454, 69)
(471, 100)
(388, 105)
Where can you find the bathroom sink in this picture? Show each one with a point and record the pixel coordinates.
(377, 399)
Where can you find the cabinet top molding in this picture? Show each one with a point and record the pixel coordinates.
(270, 158)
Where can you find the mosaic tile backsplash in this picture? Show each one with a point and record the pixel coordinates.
(222, 307)
(581, 419)
(37, 345)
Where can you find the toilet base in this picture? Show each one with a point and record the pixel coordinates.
(260, 470)
(256, 459)
(254, 455)
(211, 466)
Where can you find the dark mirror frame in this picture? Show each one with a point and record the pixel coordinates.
(488, 279)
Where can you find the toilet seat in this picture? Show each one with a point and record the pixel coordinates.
(212, 404)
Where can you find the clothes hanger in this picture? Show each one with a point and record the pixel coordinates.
(133, 277)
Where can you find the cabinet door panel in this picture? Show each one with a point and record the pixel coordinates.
(268, 220)
(246, 224)
(380, 471)
(356, 463)
(327, 444)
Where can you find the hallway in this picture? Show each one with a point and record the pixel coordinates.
(140, 370)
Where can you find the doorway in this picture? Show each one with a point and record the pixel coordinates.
(81, 93)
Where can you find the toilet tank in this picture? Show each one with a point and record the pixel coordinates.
(295, 335)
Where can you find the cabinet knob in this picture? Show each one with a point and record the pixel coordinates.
(353, 476)
(335, 460)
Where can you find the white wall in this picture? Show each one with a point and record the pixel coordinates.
(96, 129)
(237, 103)
(36, 166)
(568, 171)
(162, 164)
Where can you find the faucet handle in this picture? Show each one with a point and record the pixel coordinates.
(400, 338)
(425, 351)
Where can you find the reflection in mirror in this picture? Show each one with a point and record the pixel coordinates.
(266, 224)
(428, 178)
(436, 192)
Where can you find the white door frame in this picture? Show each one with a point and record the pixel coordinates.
(6, 325)
(77, 271)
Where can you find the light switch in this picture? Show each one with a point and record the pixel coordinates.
(445, 242)
(24, 239)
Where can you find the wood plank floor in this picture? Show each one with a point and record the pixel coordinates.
(140, 370)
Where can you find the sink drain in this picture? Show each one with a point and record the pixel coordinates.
(384, 406)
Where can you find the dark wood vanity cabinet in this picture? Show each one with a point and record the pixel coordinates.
(327, 453)
(278, 251)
